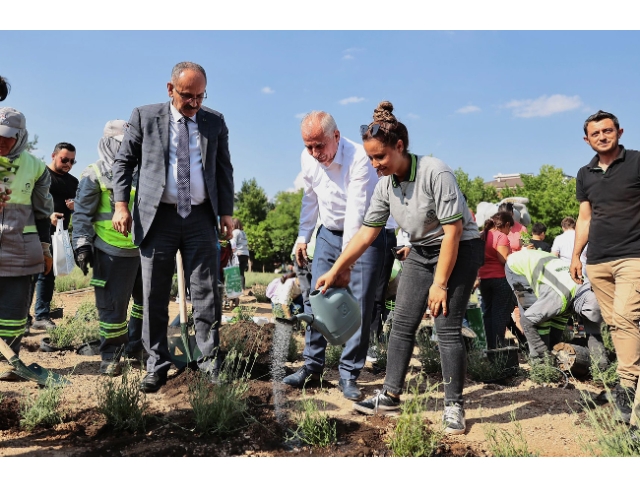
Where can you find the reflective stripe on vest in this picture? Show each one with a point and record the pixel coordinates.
(102, 219)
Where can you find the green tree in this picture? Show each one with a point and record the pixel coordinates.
(474, 189)
(552, 196)
(273, 238)
(251, 204)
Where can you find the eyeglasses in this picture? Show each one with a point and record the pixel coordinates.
(66, 160)
(188, 97)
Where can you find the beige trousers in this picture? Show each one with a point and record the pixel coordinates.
(616, 285)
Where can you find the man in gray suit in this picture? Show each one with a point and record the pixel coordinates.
(185, 183)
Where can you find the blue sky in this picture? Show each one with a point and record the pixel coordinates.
(487, 101)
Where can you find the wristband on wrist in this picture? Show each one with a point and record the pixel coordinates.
(442, 287)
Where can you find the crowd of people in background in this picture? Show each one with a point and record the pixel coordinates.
(366, 207)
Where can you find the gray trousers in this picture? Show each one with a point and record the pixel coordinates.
(364, 280)
(121, 280)
(534, 310)
(418, 272)
(196, 237)
(14, 306)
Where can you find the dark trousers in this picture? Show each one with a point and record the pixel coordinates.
(122, 280)
(364, 279)
(14, 307)
(496, 313)
(43, 287)
(418, 271)
(380, 311)
(196, 237)
(243, 261)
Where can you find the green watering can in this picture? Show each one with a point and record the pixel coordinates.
(336, 314)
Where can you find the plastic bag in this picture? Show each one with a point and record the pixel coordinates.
(63, 262)
(233, 279)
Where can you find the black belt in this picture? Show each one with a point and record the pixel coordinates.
(175, 205)
(339, 233)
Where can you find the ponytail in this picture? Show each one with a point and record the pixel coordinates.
(488, 225)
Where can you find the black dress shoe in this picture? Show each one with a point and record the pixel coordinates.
(300, 378)
(152, 382)
(350, 389)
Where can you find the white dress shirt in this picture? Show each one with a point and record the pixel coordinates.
(563, 245)
(197, 187)
(338, 194)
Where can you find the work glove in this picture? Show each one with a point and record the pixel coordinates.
(48, 258)
(84, 258)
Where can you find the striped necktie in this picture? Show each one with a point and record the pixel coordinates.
(183, 169)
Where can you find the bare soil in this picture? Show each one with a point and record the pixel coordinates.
(551, 416)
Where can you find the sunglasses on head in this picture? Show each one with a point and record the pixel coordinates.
(66, 160)
(373, 129)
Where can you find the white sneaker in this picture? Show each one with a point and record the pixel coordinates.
(453, 419)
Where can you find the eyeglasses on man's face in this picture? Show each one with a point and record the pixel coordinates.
(66, 160)
(189, 97)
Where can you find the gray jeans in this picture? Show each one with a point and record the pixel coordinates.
(411, 303)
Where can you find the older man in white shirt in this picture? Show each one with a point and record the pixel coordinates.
(338, 183)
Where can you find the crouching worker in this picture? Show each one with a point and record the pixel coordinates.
(546, 296)
(115, 259)
(24, 229)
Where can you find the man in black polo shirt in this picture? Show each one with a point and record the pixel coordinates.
(63, 191)
(608, 189)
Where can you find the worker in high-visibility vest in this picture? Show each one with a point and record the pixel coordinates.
(115, 259)
(25, 208)
(546, 297)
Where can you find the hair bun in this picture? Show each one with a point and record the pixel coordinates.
(384, 112)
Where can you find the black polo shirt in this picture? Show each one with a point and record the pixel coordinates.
(63, 187)
(614, 195)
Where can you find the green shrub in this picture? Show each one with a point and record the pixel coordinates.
(73, 281)
(429, 355)
(314, 427)
(412, 437)
(613, 437)
(87, 311)
(481, 369)
(260, 293)
(217, 408)
(504, 443)
(332, 356)
(44, 408)
(244, 313)
(222, 407)
(606, 337)
(123, 403)
(604, 378)
(380, 346)
(544, 370)
(72, 332)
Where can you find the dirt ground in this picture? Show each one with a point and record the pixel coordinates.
(551, 426)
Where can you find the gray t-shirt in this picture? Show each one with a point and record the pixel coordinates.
(421, 204)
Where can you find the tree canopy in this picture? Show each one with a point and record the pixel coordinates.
(552, 195)
(251, 203)
(274, 237)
